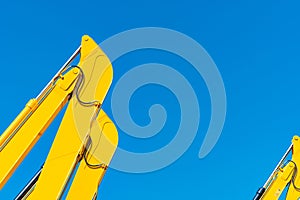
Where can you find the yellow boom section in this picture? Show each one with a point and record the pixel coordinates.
(86, 139)
(23, 134)
(284, 175)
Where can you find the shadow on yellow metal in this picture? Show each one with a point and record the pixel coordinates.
(86, 138)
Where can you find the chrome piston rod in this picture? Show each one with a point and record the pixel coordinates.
(67, 63)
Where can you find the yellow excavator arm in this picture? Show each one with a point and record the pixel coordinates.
(86, 139)
(284, 175)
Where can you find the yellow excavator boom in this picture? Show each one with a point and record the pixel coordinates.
(86, 139)
(284, 175)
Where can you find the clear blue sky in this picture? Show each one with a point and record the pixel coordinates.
(255, 45)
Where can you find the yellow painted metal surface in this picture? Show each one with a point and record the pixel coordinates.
(105, 145)
(288, 176)
(98, 74)
(8, 133)
(85, 137)
(294, 193)
(281, 179)
(60, 162)
(78, 125)
(30, 129)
